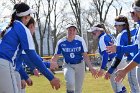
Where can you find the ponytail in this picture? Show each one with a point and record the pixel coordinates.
(10, 24)
(128, 32)
(20, 7)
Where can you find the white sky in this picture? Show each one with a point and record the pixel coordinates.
(85, 4)
(5, 11)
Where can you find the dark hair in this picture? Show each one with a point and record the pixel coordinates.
(137, 3)
(126, 26)
(18, 8)
(31, 21)
(101, 25)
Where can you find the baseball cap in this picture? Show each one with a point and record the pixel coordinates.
(71, 25)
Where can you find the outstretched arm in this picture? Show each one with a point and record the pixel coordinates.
(127, 49)
(42, 68)
(87, 60)
(122, 73)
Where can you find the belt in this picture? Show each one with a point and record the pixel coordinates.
(109, 60)
(74, 62)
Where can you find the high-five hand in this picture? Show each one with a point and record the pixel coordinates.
(55, 83)
(120, 74)
(111, 49)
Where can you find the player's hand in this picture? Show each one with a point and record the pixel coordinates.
(107, 75)
(23, 84)
(53, 65)
(36, 72)
(94, 72)
(120, 74)
(111, 49)
(100, 73)
(55, 83)
(29, 82)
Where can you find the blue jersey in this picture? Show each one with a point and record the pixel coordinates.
(23, 59)
(122, 40)
(23, 74)
(18, 34)
(133, 35)
(19, 38)
(72, 51)
(132, 48)
(137, 43)
(104, 40)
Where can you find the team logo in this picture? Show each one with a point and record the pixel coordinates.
(63, 45)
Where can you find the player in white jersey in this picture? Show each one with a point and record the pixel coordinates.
(124, 38)
(21, 76)
(135, 13)
(17, 36)
(74, 50)
(23, 58)
(99, 31)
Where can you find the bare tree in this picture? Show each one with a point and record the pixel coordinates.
(90, 18)
(57, 24)
(102, 7)
(14, 1)
(43, 26)
(49, 20)
(76, 8)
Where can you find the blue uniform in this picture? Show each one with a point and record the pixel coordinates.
(24, 59)
(105, 40)
(123, 41)
(133, 50)
(72, 51)
(19, 35)
(74, 66)
(19, 61)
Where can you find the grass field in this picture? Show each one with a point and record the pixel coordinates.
(91, 85)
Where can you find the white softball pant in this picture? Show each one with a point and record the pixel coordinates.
(133, 80)
(74, 76)
(8, 82)
(138, 73)
(117, 86)
(23, 91)
(18, 79)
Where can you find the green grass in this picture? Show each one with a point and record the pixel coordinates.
(91, 85)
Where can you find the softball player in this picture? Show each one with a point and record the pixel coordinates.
(73, 49)
(124, 39)
(98, 31)
(23, 58)
(18, 34)
(135, 13)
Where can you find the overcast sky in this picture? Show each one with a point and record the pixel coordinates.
(5, 11)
